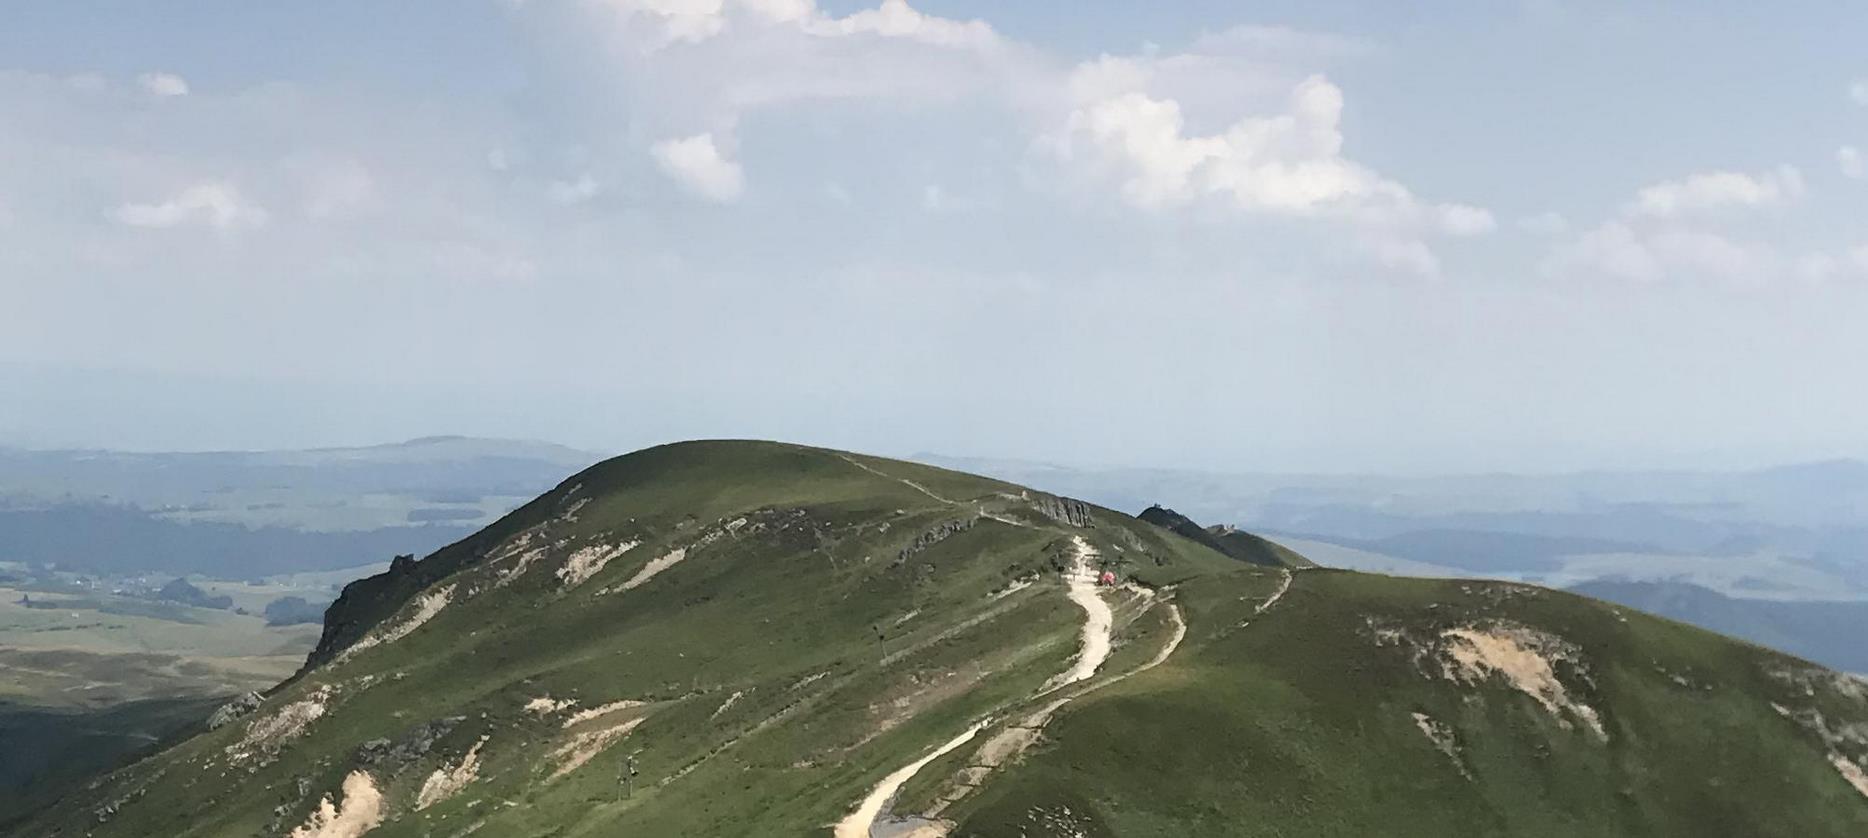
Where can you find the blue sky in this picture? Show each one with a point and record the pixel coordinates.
(1282, 236)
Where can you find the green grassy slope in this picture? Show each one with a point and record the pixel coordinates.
(854, 615)
(764, 631)
(1301, 721)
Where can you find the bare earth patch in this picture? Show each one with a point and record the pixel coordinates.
(545, 705)
(582, 716)
(589, 561)
(585, 746)
(1441, 735)
(1851, 772)
(289, 722)
(1523, 657)
(426, 607)
(654, 567)
(360, 811)
(727, 704)
(447, 782)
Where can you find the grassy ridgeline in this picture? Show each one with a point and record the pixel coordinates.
(763, 631)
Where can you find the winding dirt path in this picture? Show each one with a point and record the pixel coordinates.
(1012, 741)
(1093, 650)
(1276, 595)
(1098, 619)
(1094, 646)
(858, 823)
(1180, 633)
(902, 480)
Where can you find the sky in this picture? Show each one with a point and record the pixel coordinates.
(1433, 237)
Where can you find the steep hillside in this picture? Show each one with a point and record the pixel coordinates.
(50, 750)
(732, 638)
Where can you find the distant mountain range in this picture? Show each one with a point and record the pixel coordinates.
(1831, 633)
(1788, 532)
(242, 514)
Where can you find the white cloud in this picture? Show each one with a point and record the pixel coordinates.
(695, 69)
(1672, 229)
(576, 191)
(1625, 250)
(1850, 160)
(1288, 162)
(213, 204)
(163, 84)
(696, 163)
(1710, 191)
(896, 19)
(694, 21)
(691, 21)
(1858, 92)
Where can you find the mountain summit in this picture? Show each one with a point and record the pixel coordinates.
(750, 638)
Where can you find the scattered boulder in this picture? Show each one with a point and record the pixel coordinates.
(234, 710)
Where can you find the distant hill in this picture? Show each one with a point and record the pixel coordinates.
(99, 539)
(322, 489)
(1479, 551)
(241, 514)
(744, 638)
(1238, 544)
(1831, 633)
(1812, 515)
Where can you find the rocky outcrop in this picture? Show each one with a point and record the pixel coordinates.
(233, 711)
(940, 532)
(366, 603)
(1228, 541)
(1063, 510)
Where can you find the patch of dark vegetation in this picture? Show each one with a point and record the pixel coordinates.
(184, 592)
(122, 606)
(292, 611)
(47, 750)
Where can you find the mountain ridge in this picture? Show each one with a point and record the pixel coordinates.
(770, 639)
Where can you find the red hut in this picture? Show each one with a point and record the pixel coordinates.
(1108, 578)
